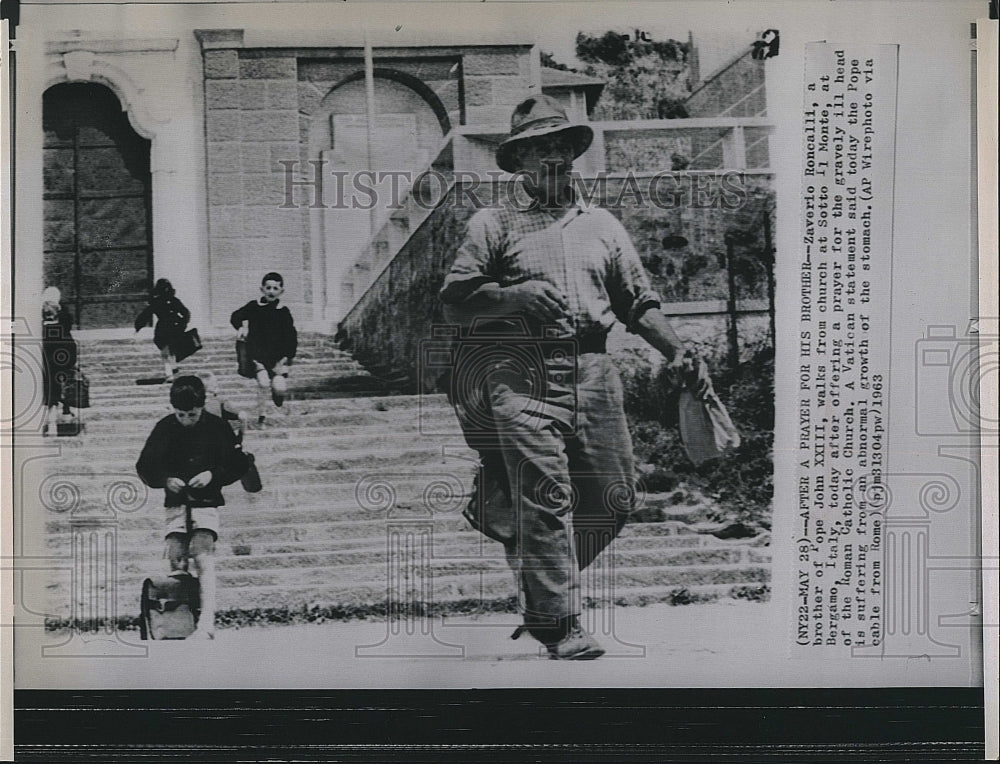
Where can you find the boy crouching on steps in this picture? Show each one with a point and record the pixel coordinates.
(192, 454)
(272, 341)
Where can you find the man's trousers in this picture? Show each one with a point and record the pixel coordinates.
(567, 454)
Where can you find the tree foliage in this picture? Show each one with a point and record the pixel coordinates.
(646, 79)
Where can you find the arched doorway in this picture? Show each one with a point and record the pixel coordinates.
(367, 183)
(97, 205)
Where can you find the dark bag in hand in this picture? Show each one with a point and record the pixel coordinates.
(185, 345)
(69, 427)
(707, 432)
(251, 478)
(244, 364)
(76, 391)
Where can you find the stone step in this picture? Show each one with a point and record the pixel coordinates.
(366, 564)
(297, 417)
(304, 427)
(321, 466)
(145, 350)
(431, 483)
(121, 490)
(125, 442)
(321, 587)
(128, 370)
(277, 466)
(344, 475)
(147, 544)
(144, 530)
(111, 458)
(141, 405)
(143, 342)
(105, 379)
(294, 431)
(123, 381)
(275, 608)
(291, 423)
(458, 540)
(334, 529)
(150, 404)
(145, 354)
(365, 493)
(469, 574)
(309, 443)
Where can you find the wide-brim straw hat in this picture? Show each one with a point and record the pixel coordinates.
(535, 117)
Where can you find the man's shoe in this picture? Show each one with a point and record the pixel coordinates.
(578, 645)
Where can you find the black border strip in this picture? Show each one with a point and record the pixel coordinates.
(561, 725)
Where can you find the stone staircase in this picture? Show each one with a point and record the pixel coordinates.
(361, 487)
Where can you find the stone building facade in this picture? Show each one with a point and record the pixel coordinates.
(288, 158)
(240, 153)
(214, 150)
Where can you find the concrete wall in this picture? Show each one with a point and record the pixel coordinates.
(251, 124)
(727, 92)
(385, 328)
(495, 79)
(265, 106)
(701, 208)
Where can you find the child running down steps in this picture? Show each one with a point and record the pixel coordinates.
(271, 341)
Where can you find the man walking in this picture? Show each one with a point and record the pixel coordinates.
(563, 271)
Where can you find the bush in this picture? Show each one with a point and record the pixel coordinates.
(742, 482)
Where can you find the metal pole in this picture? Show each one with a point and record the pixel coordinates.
(769, 271)
(734, 340)
(370, 111)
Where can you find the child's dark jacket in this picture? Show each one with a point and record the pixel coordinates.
(172, 318)
(173, 450)
(272, 335)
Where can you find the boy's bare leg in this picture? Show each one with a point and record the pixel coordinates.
(50, 418)
(263, 391)
(203, 560)
(168, 363)
(279, 386)
(177, 549)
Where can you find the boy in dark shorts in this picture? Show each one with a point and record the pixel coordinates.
(192, 454)
(272, 341)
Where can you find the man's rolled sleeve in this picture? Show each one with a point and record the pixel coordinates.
(471, 268)
(631, 292)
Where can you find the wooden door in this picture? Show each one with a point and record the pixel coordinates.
(98, 222)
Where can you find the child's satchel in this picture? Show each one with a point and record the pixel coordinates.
(251, 481)
(76, 390)
(169, 606)
(186, 344)
(244, 364)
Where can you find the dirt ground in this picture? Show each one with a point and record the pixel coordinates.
(722, 644)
